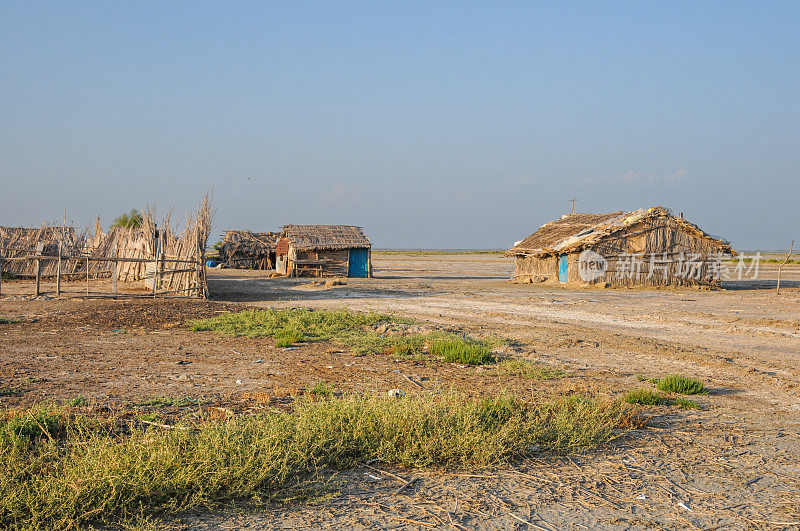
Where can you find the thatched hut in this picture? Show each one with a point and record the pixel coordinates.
(248, 250)
(647, 246)
(324, 251)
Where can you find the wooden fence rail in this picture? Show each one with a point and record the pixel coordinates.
(160, 276)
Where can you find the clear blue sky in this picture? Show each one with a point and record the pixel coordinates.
(445, 124)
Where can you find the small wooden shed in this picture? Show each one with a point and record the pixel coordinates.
(248, 250)
(323, 251)
(646, 247)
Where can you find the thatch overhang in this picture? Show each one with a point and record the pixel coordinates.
(17, 241)
(250, 242)
(576, 232)
(324, 237)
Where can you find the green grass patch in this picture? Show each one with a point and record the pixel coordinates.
(685, 403)
(150, 417)
(354, 330)
(682, 385)
(321, 389)
(287, 338)
(461, 350)
(529, 369)
(645, 397)
(315, 325)
(77, 401)
(59, 470)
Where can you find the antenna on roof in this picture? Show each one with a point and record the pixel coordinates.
(573, 205)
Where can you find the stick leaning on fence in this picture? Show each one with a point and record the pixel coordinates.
(791, 248)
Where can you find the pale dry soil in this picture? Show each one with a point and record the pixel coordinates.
(733, 464)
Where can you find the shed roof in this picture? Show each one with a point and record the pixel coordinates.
(578, 231)
(308, 237)
(245, 239)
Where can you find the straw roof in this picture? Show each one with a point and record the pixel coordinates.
(19, 241)
(579, 231)
(251, 241)
(309, 237)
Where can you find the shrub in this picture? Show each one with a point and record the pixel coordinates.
(683, 385)
(321, 389)
(645, 397)
(77, 401)
(462, 351)
(287, 338)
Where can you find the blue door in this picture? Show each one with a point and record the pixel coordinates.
(563, 268)
(359, 263)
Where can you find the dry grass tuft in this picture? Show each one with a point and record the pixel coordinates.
(61, 469)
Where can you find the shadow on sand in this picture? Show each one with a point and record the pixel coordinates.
(758, 284)
(238, 289)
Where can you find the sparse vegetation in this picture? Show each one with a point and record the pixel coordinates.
(77, 401)
(355, 330)
(645, 397)
(315, 325)
(648, 397)
(64, 470)
(3, 321)
(461, 350)
(791, 261)
(529, 369)
(287, 338)
(685, 403)
(321, 389)
(168, 401)
(682, 385)
(11, 391)
(150, 417)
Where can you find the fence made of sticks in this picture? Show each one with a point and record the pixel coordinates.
(166, 262)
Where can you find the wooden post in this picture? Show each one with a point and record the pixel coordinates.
(87, 275)
(115, 273)
(38, 277)
(155, 273)
(573, 205)
(58, 271)
(60, 252)
(1, 275)
(791, 248)
(114, 277)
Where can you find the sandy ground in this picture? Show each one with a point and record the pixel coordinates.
(733, 464)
